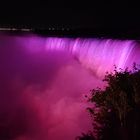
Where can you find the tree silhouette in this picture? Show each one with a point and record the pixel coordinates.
(116, 108)
(88, 136)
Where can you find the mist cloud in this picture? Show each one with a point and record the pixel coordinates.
(42, 92)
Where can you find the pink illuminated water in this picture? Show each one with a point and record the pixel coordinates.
(43, 82)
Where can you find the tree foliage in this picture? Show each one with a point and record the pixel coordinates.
(115, 113)
(88, 136)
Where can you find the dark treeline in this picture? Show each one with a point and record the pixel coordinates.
(116, 114)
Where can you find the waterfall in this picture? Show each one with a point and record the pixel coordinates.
(43, 82)
(98, 55)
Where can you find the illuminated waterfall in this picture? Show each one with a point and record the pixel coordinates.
(43, 82)
(98, 55)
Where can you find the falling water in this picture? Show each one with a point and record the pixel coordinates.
(99, 55)
(43, 81)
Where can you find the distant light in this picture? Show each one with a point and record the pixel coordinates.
(25, 30)
(5, 29)
(14, 29)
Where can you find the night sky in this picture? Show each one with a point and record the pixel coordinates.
(71, 14)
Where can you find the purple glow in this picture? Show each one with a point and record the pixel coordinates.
(44, 80)
(98, 55)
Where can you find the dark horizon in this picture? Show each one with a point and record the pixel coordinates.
(101, 33)
(96, 15)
